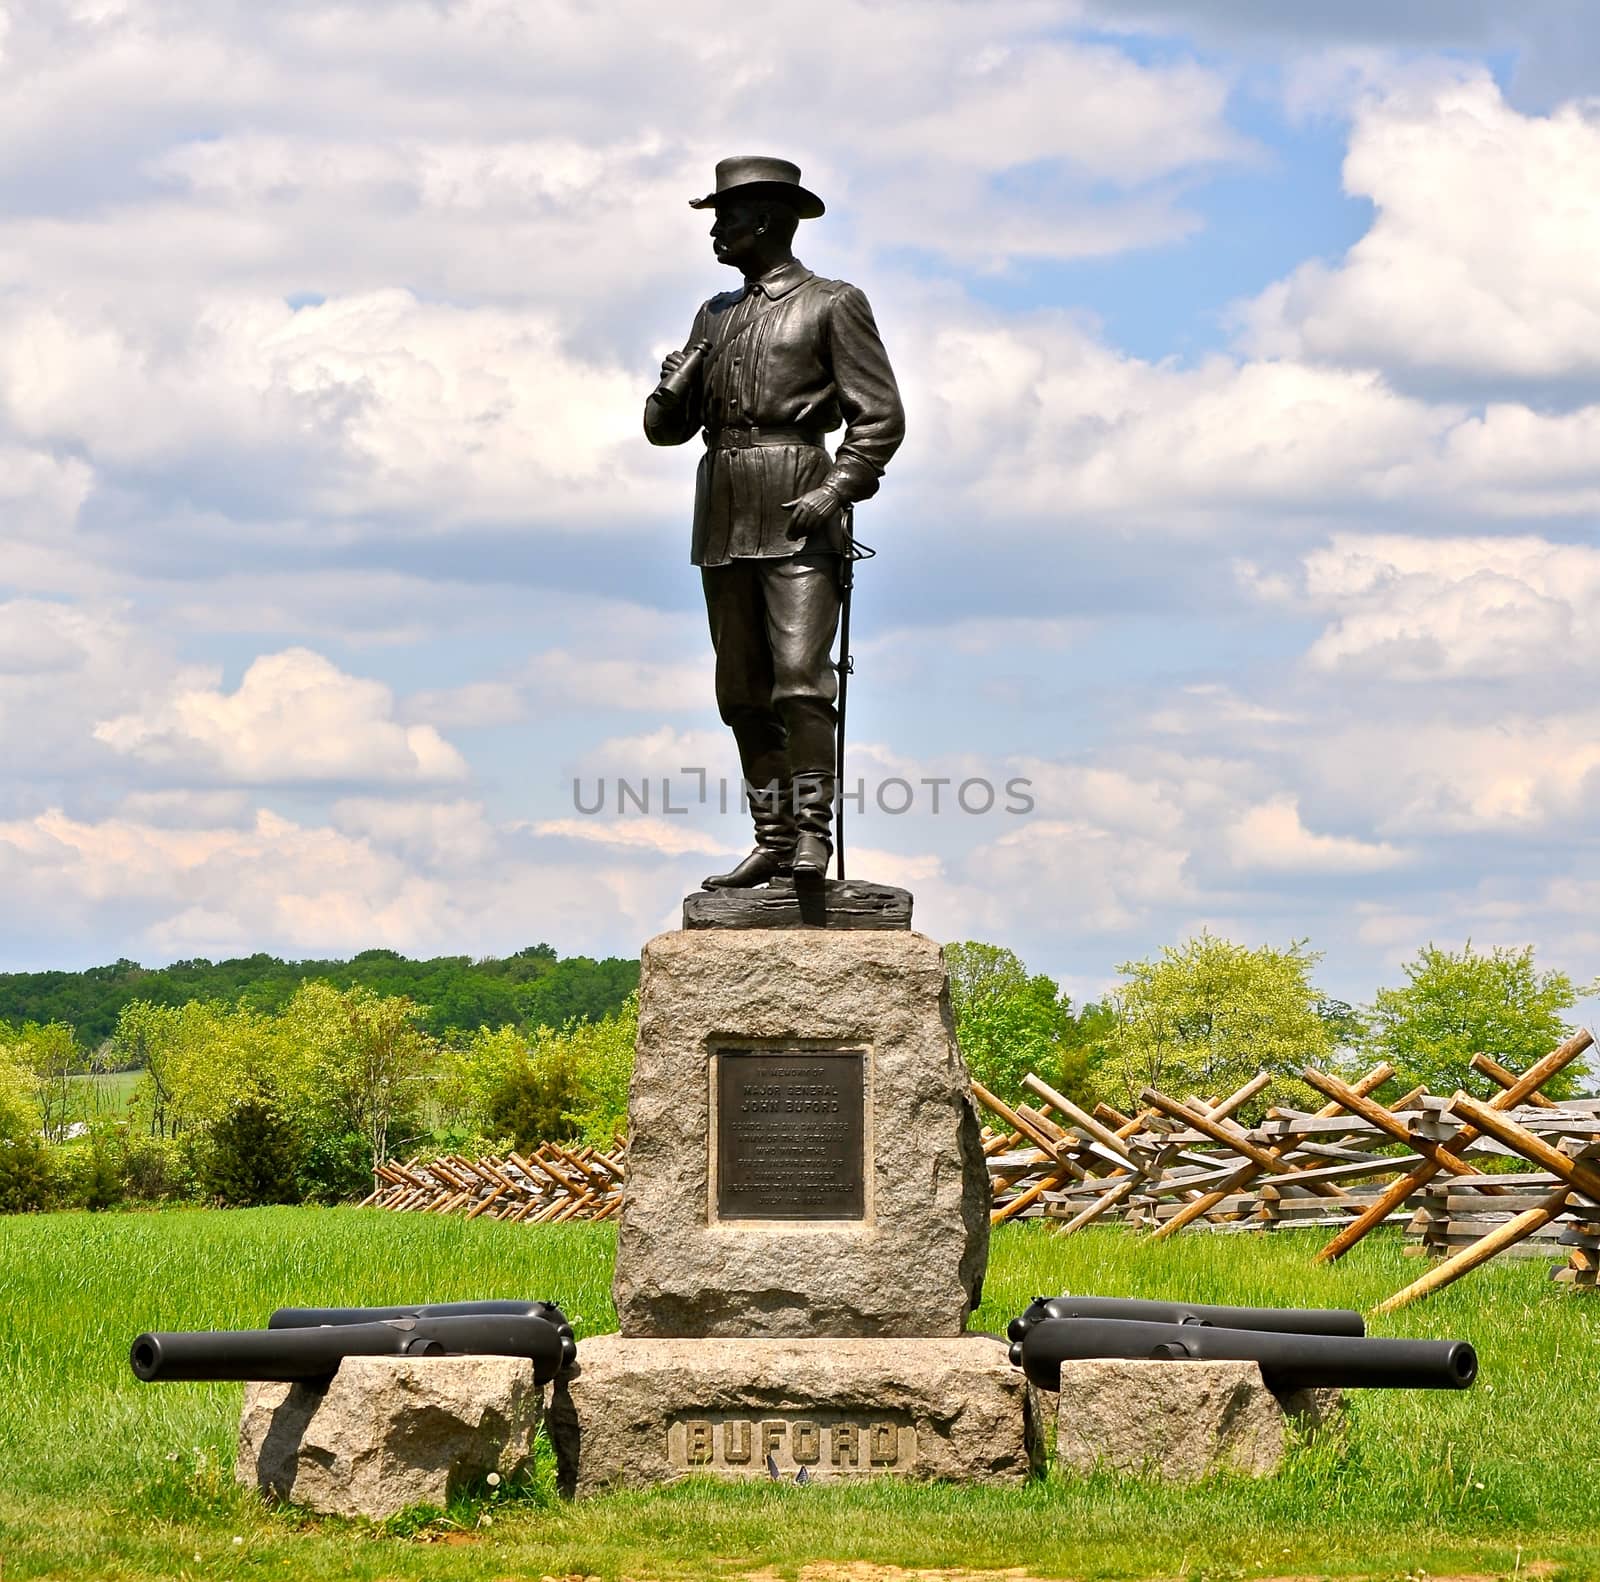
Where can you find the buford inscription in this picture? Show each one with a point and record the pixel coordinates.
(828, 1444)
(791, 1128)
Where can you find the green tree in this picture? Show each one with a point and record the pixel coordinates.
(1205, 1016)
(1010, 1022)
(50, 1054)
(548, 1084)
(352, 1063)
(255, 1156)
(469, 1073)
(530, 1104)
(200, 1059)
(140, 1041)
(19, 1109)
(533, 986)
(602, 1061)
(1456, 1004)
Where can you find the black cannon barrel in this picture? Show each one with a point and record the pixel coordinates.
(1288, 1362)
(293, 1355)
(317, 1317)
(1283, 1320)
(312, 1317)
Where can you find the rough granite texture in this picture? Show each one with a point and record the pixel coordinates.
(639, 1412)
(389, 1432)
(1177, 1421)
(915, 1265)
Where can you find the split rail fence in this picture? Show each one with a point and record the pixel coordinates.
(1469, 1180)
(1419, 1160)
(548, 1185)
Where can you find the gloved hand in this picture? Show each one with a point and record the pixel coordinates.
(814, 510)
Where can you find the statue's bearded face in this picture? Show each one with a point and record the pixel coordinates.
(733, 237)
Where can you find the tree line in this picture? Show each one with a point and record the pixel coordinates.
(239, 1105)
(1205, 1016)
(267, 1096)
(532, 988)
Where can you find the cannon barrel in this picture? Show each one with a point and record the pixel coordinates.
(316, 1317)
(312, 1317)
(295, 1355)
(1288, 1362)
(1283, 1320)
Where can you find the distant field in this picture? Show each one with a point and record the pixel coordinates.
(107, 1096)
(101, 1476)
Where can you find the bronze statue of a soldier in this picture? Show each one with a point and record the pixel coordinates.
(766, 373)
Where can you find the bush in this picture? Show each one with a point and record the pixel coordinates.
(255, 1157)
(91, 1176)
(335, 1167)
(27, 1175)
(530, 1103)
(156, 1169)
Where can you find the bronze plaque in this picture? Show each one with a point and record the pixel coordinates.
(791, 1127)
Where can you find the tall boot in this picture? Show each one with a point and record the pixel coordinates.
(769, 794)
(811, 725)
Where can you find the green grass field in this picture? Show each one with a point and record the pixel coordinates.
(105, 1095)
(103, 1477)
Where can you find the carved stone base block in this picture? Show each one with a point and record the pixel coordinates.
(835, 904)
(1177, 1421)
(639, 1412)
(389, 1432)
(804, 1154)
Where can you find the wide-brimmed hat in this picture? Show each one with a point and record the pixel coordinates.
(748, 171)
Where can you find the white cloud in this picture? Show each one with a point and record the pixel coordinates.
(1480, 258)
(1421, 609)
(295, 717)
(433, 835)
(399, 878)
(373, 403)
(329, 134)
(1272, 837)
(1207, 707)
(1050, 428)
(561, 678)
(183, 809)
(61, 666)
(1412, 773)
(1049, 423)
(638, 834)
(475, 703)
(1081, 878)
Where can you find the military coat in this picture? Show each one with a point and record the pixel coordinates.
(793, 357)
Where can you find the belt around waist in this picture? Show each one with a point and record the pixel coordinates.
(727, 438)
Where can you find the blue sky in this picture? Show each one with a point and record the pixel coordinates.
(1250, 357)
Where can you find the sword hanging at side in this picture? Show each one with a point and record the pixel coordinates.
(854, 550)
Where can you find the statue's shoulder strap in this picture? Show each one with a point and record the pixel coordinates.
(769, 307)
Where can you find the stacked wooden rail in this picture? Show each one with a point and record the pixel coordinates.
(1443, 1167)
(550, 1184)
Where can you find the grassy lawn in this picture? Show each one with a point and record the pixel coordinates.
(103, 1477)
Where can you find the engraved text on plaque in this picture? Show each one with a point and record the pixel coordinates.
(791, 1125)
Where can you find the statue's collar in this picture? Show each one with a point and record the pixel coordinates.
(781, 281)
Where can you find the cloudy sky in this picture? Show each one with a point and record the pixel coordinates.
(1251, 354)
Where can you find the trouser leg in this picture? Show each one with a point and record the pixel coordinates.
(802, 618)
(735, 609)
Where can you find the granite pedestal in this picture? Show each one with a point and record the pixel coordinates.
(639, 1412)
(804, 1156)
